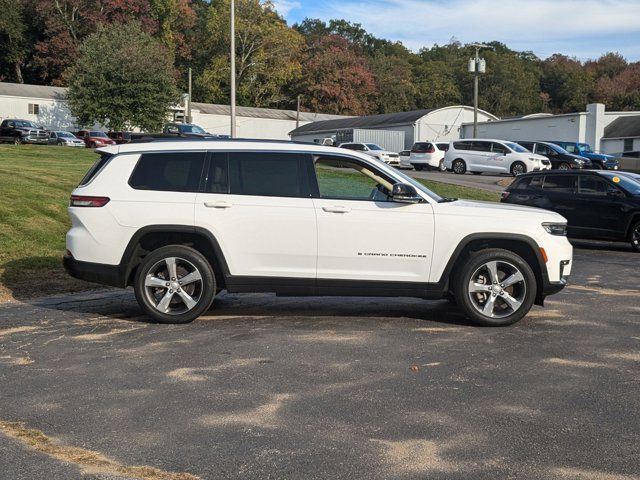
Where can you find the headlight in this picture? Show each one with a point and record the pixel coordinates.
(559, 229)
(534, 159)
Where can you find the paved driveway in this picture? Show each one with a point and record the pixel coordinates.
(327, 388)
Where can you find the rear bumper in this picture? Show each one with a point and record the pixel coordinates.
(93, 272)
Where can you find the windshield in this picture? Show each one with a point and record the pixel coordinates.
(24, 123)
(628, 181)
(373, 146)
(584, 148)
(191, 129)
(557, 148)
(516, 148)
(65, 135)
(419, 186)
(98, 134)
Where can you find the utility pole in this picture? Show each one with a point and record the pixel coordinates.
(298, 113)
(233, 71)
(189, 100)
(477, 66)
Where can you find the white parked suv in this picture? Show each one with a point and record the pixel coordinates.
(494, 156)
(429, 155)
(375, 151)
(182, 220)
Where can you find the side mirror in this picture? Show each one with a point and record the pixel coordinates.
(404, 193)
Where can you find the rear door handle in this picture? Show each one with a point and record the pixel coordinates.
(218, 204)
(337, 209)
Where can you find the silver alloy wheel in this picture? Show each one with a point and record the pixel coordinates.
(518, 169)
(458, 166)
(173, 285)
(441, 166)
(563, 166)
(497, 289)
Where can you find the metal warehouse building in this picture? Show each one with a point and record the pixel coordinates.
(418, 125)
(607, 132)
(48, 106)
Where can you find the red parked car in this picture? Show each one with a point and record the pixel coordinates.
(94, 138)
(120, 137)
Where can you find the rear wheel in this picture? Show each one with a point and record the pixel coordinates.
(459, 166)
(418, 168)
(441, 166)
(564, 166)
(635, 237)
(495, 287)
(518, 168)
(175, 284)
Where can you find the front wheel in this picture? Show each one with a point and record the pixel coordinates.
(17, 141)
(564, 166)
(459, 166)
(635, 237)
(175, 284)
(518, 168)
(495, 287)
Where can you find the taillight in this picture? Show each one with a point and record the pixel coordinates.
(505, 195)
(431, 149)
(82, 201)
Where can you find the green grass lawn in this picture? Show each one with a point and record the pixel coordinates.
(35, 184)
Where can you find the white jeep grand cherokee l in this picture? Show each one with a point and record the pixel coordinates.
(182, 220)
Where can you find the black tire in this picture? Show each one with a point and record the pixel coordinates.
(522, 293)
(418, 168)
(459, 166)
(564, 166)
(596, 166)
(518, 168)
(477, 173)
(186, 261)
(17, 141)
(634, 236)
(441, 166)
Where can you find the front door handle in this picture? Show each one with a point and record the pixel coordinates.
(337, 209)
(218, 204)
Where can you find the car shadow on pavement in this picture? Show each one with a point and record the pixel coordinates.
(601, 245)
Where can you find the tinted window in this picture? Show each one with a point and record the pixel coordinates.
(592, 185)
(218, 175)
(462, 145)
(421, 147)
(560, 183)
(443, 146)
(499, 148)
(481, 146)
(95, 168)
(571, 149)
(168, 172)
(350, 180)
(353, 146)
(267, 174)
(528, 145)
(543, 149)
(520, 184)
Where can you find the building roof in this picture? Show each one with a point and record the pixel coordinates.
(623, 127)
(59, 93)
(255, 112)
(369, 121)
(32, 91)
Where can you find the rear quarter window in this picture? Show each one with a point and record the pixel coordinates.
(168, 172)
(95, 169)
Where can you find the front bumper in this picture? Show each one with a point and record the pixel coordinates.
(35, 140)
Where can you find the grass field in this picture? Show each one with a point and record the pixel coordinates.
(35, 183)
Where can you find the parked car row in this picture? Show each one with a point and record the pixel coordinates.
(374, 150)
(500, 156)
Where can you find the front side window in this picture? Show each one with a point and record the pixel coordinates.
(98, 134)
(373, 146)
(499, 148)
(592, 185)
(350, 180)
(584, 148)
(168, 172)
(572, 149)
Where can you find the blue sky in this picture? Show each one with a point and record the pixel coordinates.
(580, 28)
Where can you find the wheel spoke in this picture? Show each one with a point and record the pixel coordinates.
(512, 302)
(190, 278)
(163, 304)
(492, 268)
(512, 279)
(489, 306)
(171, 267)
(187, 299)
(152, 281)
(475, 287)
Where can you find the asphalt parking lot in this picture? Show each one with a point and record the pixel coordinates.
(270, 387)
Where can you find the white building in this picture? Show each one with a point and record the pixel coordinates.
(48, 106)
(436, 124)
(585, 127)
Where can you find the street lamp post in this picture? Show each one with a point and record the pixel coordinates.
(477, 66)
(233, 71)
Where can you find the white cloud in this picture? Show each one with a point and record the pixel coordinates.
(577, 27)
(283, 7)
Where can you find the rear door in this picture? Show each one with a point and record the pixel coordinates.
(561, 191)
(258, 207)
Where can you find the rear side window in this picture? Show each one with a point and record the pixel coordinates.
(462, 145)
(527, 145)
(95, 168)
(268, 174)
(481, 146)
(168, 172)
(560, 183)
(520, 184)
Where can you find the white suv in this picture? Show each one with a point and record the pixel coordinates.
(375, 151)
(495, 156)
(429, 155)
(182, 220)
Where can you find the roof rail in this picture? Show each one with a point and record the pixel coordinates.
(151, 139)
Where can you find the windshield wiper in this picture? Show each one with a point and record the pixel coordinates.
(447, 200)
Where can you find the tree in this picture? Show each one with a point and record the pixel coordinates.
(12, 37)
(132, 86)
(435, 84)
(566, 81)
(608, 65)
(267, 55)
(336, 79)
(394, 83)
(621, 92)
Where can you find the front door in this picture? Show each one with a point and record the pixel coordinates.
(258, 207)
(604, 208)
(362, 234)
